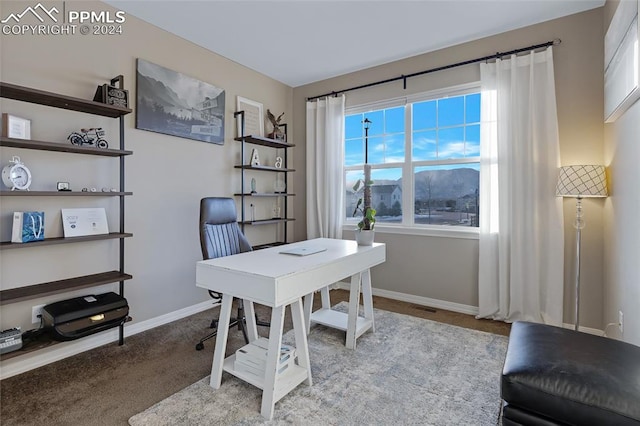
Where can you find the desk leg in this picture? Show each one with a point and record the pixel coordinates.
(250, 315)
(221, 341)
(354, 304)
(367, 297)
(308, 307)
(324, 294)
(275, 341)
(302, 347)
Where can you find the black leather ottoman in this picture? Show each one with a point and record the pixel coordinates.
(555, 376)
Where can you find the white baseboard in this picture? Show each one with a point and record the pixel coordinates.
(30, 361)
(419, 300)
(587, 330)
(443, 304)
(35, 359)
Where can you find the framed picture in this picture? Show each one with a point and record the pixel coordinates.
(621, 61)
(253, 117)
(15, 127)
(175, 104)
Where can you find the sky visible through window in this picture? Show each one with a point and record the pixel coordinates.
(442, 129)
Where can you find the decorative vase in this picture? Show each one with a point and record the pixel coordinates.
(364, 238)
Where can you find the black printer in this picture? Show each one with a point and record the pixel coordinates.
(81, 316)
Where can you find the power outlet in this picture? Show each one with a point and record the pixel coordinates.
(621, 321)
(36, 311)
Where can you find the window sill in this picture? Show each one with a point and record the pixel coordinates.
(432, 231)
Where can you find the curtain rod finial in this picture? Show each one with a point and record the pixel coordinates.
(556, 41)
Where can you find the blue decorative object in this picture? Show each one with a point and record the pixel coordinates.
(27, 227)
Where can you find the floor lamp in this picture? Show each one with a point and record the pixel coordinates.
(580, 182)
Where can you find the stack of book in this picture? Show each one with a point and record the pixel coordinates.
(252, 358)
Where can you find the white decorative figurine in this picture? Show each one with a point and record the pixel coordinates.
(255, 159)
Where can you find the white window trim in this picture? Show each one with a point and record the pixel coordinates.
(408, 227)
(467, 233)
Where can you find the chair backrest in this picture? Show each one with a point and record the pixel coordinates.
(220, 234)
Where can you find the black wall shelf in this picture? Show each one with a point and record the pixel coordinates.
(62, 194)
(55, 287)
(264, 194)
(41, 97)
(266, 221)
(61, 147)
(264, 168)
(260, 140)
(281, 232)
(55, 100)
(5, 245)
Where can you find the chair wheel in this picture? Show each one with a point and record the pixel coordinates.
(200, 346)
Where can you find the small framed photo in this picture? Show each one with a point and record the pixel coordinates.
(253, 117)
(15, 127)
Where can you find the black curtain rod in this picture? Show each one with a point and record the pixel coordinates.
(446, 67)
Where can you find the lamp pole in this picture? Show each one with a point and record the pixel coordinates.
(578, 224)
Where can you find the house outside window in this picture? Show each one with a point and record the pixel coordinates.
(424, 153)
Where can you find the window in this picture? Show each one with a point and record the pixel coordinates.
(424, 153)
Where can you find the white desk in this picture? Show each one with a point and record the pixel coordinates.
(277, 280)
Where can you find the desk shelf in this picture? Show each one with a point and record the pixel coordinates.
(338, 320)
(287, 381)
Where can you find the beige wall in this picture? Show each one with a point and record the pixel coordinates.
(168, 175)
(163, 212)
(622, 236)
(446, 269)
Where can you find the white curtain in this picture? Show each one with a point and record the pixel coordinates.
(521, 229)
(325, 158)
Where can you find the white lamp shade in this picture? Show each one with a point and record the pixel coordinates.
(582, 181)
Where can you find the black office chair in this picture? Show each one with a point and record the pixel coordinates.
(220, 236)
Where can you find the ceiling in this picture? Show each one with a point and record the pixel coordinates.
(300, 42)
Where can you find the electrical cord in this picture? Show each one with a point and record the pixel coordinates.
(34, 333)
(606, 327)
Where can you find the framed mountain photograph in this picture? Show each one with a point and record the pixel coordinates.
(175, 104)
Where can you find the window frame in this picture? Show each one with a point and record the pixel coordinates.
(408, 225)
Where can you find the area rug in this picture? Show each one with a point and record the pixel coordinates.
(410, 371)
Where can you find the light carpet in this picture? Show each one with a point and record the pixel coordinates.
(411, 371)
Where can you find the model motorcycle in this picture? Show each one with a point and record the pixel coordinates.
(92, 136)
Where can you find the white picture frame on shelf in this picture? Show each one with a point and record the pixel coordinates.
(15, 127)
(80, 222)
(621, 61)
(253, 117)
